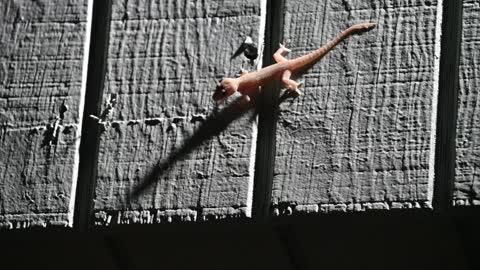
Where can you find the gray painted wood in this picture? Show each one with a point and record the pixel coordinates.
(42, 45)
(164, 59)
(362, 135)
(467, 177)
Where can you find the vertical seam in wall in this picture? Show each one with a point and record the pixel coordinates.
(81, 104)
(448, 82)
(251, 167)
(267, 113)
(88, 153)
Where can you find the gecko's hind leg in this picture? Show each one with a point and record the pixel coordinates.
(292, 85)
(278, 55)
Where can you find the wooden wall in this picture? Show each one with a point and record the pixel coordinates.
(362, 136)
(43, 52)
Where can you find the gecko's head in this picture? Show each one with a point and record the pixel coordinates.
(225, 88)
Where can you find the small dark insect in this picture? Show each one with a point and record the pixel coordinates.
(251, 50)
(63, 110)
(248, 48)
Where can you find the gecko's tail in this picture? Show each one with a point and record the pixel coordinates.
(361, 28)
(310, 59)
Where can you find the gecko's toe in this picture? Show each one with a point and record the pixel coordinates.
(284, 48)
(294, 94)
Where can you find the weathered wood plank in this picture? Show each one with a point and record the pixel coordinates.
(43, 45)
(467, 176)
(164, 58)
(362, 135)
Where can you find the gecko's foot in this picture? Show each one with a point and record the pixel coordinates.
(283, 48)
(242, 72)
(294, 94)
(292, 85)
(278, 55)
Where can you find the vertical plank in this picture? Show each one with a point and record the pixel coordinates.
(43, 49)
(164, 59)
(363, 134)
(467, 176)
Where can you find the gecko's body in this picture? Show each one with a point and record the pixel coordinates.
(248, 83)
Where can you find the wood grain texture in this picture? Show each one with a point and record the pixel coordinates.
(164, 60)
(467, 176)
(42, 47)
(362, 135)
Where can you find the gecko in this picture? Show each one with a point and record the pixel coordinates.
(248, 83)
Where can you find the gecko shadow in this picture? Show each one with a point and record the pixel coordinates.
(212, 126)
(215, 123)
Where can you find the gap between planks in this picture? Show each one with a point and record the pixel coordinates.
(89, 144)
(448, 83)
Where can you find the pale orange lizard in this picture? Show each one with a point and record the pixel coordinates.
(249, 82)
